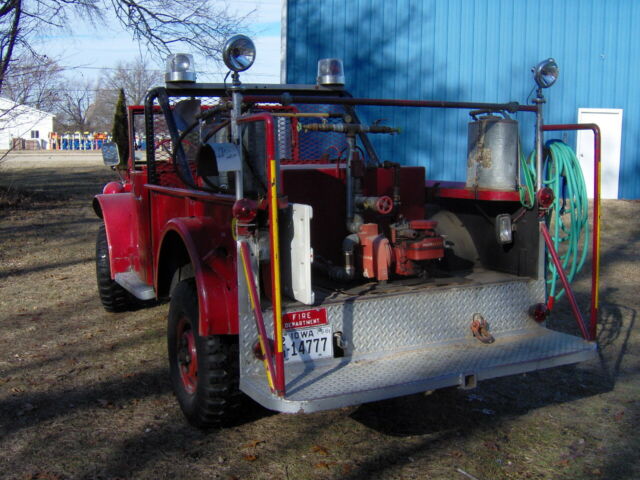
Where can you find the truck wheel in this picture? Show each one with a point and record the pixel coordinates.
(204, 370)
(114, 298)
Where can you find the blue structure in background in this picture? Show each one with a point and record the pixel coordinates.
(474, 50)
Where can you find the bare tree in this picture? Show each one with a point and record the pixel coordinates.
(74, 108)
(164, 25)
(100, 112)
(20, 20)
(135, 78)
(34, 81)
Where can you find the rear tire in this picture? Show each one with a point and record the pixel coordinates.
(204, 370)
(114, 298)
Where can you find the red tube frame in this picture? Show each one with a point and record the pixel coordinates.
(565, 282)
(257, 312)
(595, 261)
(275, 267)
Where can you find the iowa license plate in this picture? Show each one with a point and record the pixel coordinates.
(307, 336)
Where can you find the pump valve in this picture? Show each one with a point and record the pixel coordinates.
(382, 205)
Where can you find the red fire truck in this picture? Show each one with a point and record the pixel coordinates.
(308, 273)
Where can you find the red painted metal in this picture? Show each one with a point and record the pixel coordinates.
(328, 225)
(120, 214)
(595, 244)
(270, 154)
(305, 319)
(423, 224)
(217, 198)
(460, 190)
(565, 282)
(380, 181)
(415, 241)
(430, 248)
(187, 356)
(376, 252)
(212, 258)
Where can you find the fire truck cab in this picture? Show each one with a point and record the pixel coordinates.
(304, 270)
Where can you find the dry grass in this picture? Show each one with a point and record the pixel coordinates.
(85, 395)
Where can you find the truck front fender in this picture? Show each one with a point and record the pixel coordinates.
(119, 213)
(212, 254)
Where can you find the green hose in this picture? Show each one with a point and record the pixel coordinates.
(528, 170)
(568, 216)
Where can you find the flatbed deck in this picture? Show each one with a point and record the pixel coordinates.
(409, 336)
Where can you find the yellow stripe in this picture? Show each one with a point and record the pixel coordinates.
(277, 308)
(246, 279)
(266, 366)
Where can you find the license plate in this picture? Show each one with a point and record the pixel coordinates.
(308, 344)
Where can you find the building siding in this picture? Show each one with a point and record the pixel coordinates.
(476, 50)
(19, 121)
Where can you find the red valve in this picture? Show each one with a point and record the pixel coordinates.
(384, 205)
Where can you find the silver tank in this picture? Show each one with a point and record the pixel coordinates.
(492, 153)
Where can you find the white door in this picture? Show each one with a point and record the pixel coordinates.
(610, 122)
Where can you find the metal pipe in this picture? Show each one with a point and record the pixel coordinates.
(364, 139)
(348, 246)
(382, 102)
(565, 282)
(539, 101)
(595, 242)
(236, 111)
(351, 145)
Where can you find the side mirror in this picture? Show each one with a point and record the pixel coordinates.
(110, 154)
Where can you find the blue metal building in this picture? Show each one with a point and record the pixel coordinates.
(476, 50)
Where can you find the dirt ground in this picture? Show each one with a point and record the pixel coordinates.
(84, 394)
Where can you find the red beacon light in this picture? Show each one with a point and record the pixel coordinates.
(245, 210)
(540, 312)
(113, 187)
(545, 197)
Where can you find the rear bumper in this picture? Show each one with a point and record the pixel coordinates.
(410, 340)
(350, 381)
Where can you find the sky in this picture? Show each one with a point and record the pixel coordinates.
(88, 50)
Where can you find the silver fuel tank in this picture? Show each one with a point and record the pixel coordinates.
(492, 153)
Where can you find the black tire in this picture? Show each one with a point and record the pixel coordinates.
(114, 298)
(207, 390)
